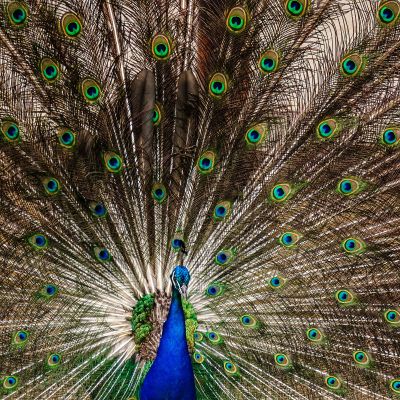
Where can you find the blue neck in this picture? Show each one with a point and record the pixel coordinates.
(171, 375)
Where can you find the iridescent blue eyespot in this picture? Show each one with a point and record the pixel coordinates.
(345, 297)
(20, 338)
(198, 336)
(48, 291)
(51, 186)
(225, 257)
(230, 368)
(281, 192)
(66, 138)
(38, 241)
(333, 382)
(98, 209)
(10, 383)
(295, 9)
(388, 13)
(392, 317)
(214, 337)
(289, 239)
(282, 360)
(315, 335)
(10, 130)
(361, 359)
(395, 385)
(222, 210)
(198, 357)
(159, 192)
(249, 321)
(102, 254)
(390, 137)
(352, 65)
(178, 242)
(276, 282)
(71, 26)
(17, 12)
(53, 361)
(222, 257)
(268, 62)
(236, 20)
(215, 289)
(350, 186)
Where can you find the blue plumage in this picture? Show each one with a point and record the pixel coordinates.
(171, 375)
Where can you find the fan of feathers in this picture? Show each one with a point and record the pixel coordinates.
(254, 142)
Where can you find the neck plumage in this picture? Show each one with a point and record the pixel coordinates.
(171, 375)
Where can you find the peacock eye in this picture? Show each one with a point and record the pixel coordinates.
(71, 25)
(361, 358)
(388, 13)
(90, 90)
(161, 47)
(17, 13)
(221, 258)
(112, 161)
(198, 336)
(333, 382)
(215, 289)
(51, 186)
(66, 138)
(237, 20)
(345, 297)
(353, 246)
(276, 282)
(281, 192)
(352, 65)
(49, 69)
(328, 129)
(224, 257)
(314, 335)
(38, 241)
(349, 186)
(178, 242)
(157, 115)
(214, 337)
(53, 360)
(289, 239)
(222, 210)
(282, 360)
(10, 382)
(296, 8)
(268, 62)
(48, 291)
(249, 321)
(230, 368)
(159, 192)
(20, 338)
(255, 135)
(206, 162)
(395, 385)
(392, 317)
(10, 131)
(218, 85)
(102, 254)
(198, 357)
(390, 137)
(98, 209)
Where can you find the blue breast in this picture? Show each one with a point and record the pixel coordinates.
(171, 375)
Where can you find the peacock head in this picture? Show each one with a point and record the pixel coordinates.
(180, 278)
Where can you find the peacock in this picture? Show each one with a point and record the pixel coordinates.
(199, 199)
